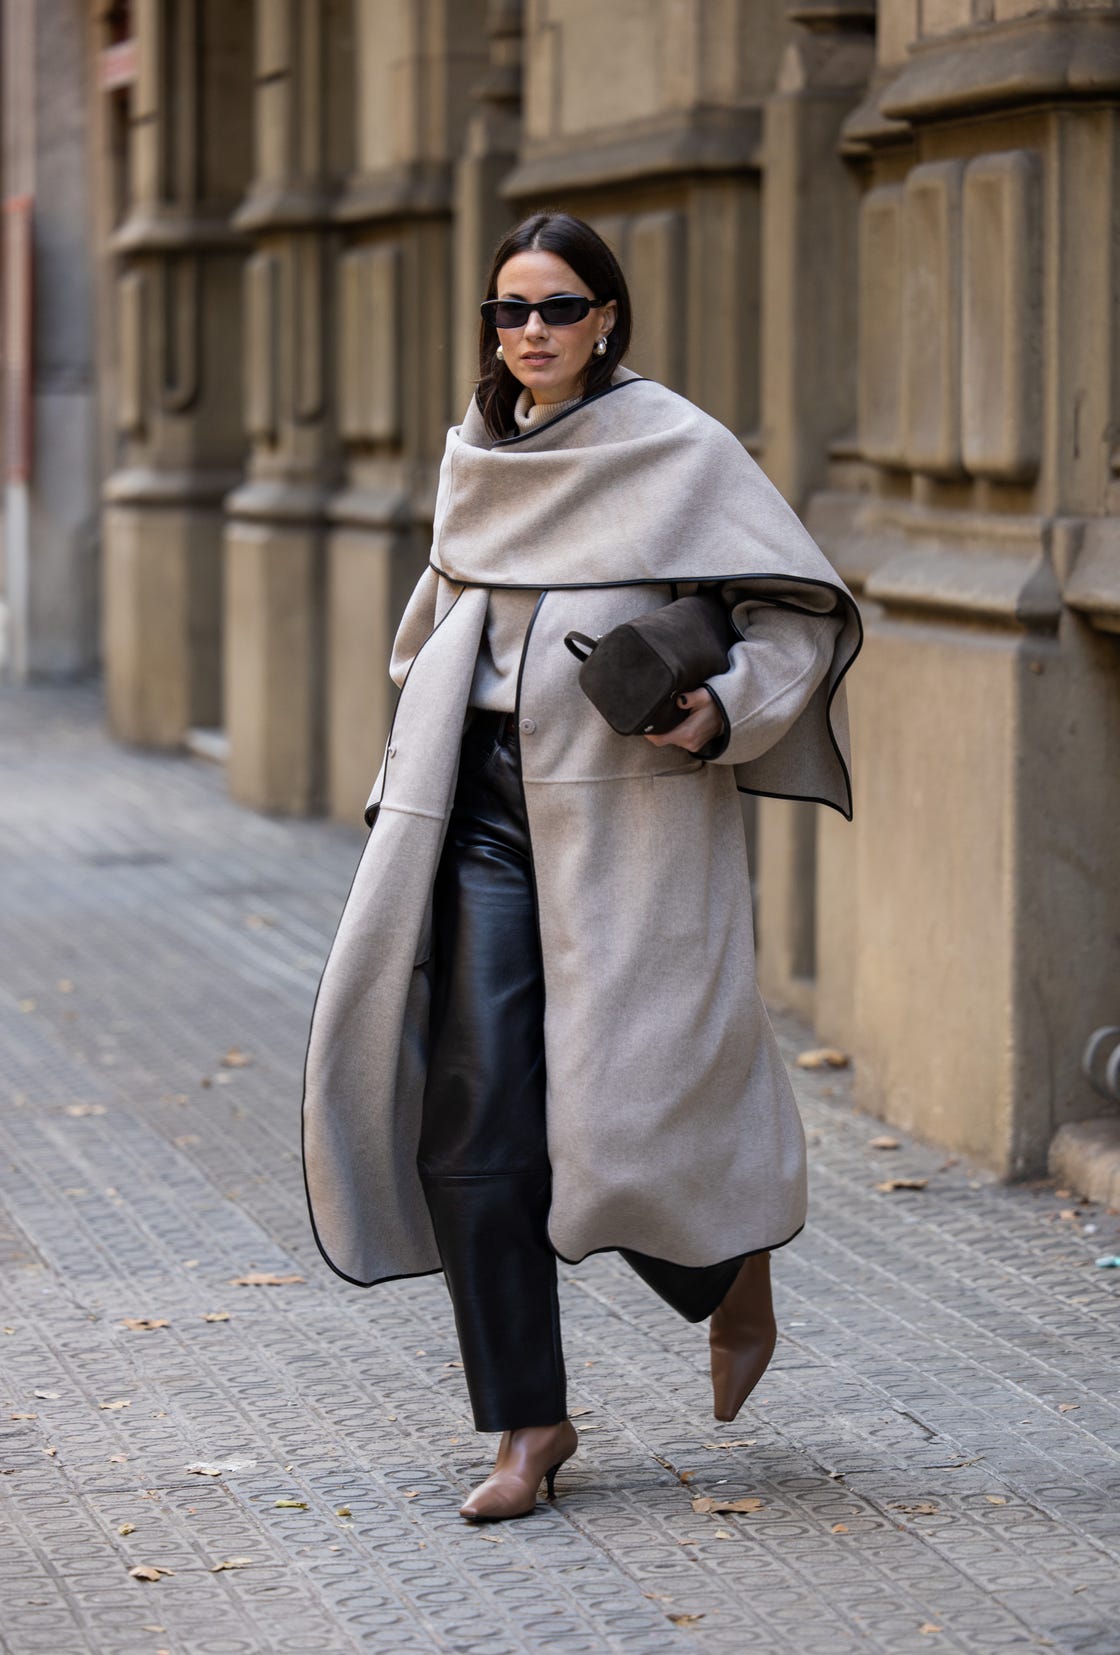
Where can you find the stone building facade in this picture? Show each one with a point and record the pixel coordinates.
(879, 243)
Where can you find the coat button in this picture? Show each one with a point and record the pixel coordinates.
(527, 726)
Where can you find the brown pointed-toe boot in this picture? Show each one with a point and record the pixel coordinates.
(742, 1336)
(525, 1456)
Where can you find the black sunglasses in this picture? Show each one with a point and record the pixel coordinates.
(560, 311)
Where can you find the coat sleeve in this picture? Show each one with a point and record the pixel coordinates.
(771, 676)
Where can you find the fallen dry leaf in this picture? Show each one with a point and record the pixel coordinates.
(230, 1563)
(84, 1109)
(343, 1511)
(740, 1442)
(705, 1503)
(577, 1413)
(48, 1396)
(724, 1534)
(996, 1499)
(884, 1143)
(141, 1324)
(459, 1365)
(126, 1528)
(685, 1620)
(148, 1571)
(839, 1528)
(235, 1059)
(924, 1508)
(27, 1005)
(495, 1539)
(293, 1505)
(23, 1416)
(902, 1184)
(215, 1468)
(50, 1452)
(215, 1316)
(1069, 1212)
(118, 1459)
(121, 1404)
(263, 1278)
(410, 1493)
(929, 1626)
(822, 1057)
(1068, 1407)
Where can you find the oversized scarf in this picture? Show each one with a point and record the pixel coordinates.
(636, 485)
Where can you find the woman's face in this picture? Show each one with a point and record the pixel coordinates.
(550, 361)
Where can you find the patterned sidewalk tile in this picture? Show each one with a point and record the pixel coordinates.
(935, 1449)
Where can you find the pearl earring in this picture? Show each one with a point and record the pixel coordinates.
(500, 354)
(600, 347)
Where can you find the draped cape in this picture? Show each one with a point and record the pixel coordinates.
(672, 1127)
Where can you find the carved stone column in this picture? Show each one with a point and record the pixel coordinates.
(809, 216)
(276, 520)
(414, 63)
(178, 383)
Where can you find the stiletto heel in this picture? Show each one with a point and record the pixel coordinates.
(525, 1457)
(742, 1336)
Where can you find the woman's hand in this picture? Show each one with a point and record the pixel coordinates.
(703, 724)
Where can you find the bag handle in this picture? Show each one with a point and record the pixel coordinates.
(575, 639)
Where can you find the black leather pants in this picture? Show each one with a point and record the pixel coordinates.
(483, 1156)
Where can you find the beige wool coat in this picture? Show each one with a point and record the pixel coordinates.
(672, 1127)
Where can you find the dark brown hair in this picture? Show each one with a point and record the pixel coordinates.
(593, 262)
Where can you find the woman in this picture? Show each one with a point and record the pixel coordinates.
(538, 1032)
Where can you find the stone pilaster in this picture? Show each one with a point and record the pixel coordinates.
(177, 380)
(415, 64)
(808, 355)
(489, 153)
(275, 574)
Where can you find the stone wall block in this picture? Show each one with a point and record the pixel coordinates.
(370, 311)
(655, 276)
(273, 665)
(931, 311)
(262, 276)
(1001, 391)
(362, 610)
(879, 379)
(942, 16)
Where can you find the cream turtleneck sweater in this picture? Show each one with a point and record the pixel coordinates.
(509, 612)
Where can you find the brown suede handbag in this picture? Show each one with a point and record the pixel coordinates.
(634, 673)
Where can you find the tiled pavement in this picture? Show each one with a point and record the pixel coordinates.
(936, 1447)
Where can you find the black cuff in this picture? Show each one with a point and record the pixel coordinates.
(715, 748)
